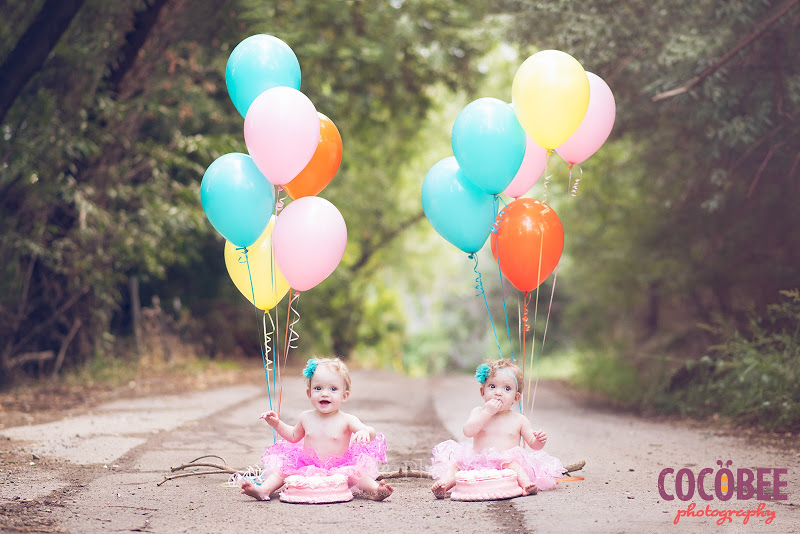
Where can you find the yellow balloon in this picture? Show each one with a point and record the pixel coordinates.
(269, 285)
(550, 95)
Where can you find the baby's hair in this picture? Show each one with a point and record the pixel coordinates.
(334, 363)
(488, 369)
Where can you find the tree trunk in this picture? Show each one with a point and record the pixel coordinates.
(33, 48)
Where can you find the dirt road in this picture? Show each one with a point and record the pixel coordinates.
(100, 471)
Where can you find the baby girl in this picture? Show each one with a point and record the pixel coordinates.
(325, 440)
(496, 433)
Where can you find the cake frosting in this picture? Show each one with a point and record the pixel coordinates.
(316, 489)
(485, 485)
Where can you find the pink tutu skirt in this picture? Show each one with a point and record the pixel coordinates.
(361, 459)
(543, 469)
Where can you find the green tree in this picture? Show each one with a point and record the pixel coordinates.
(692, 213)
(105, 145)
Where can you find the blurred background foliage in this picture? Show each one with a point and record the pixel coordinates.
(682, 258)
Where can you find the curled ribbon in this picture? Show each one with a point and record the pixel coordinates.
(526, 327)
(279, 200)
(268, 341)
(574, 187)
(293, 335)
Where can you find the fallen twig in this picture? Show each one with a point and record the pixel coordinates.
(220, 469)
(404, 473)
(194, 463)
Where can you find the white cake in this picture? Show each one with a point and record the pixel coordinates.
(485, 485)
(316, 489)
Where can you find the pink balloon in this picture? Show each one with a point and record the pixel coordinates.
(529, 172)
(281, 131)
(309, 239)
(596, 125)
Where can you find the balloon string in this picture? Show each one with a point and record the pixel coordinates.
(274, 284)
(291, 335)
(574, 187)
(546, 176)
(495, 230)
(264, 357)
(267, 362)
(544, 336)
(524, 327)
(536, 310)
(481, 292)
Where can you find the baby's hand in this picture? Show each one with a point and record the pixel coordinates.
(493, 406)
(541, 437)
(271, 418)
(362, 436)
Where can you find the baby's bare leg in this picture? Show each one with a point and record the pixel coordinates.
(443, 485)
(524, 481)
(262, 491)
(377, 491)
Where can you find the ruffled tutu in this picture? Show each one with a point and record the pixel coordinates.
(543, 469)
(361, 459)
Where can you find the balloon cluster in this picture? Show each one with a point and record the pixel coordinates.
(504, 148)
(292, 146)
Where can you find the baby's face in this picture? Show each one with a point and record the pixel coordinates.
(326, 390)
(500, 386)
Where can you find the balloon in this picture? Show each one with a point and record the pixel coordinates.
(236, 198)
(488, 144)
(550, 94)
(281, 131)
(528, 242)
(323, 165)
(529, 172)
(258, 63)
(268, 284)
(456, 208)
(309, 240)
(595, 126)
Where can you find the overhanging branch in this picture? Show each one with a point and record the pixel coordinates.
(711, 69)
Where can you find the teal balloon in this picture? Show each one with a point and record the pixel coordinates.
(258, 63)
(489, 144)
(459, 211)
(237, 199)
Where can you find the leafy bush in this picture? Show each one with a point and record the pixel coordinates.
(752, 375)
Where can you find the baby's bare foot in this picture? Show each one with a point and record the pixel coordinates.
(440, 489)
(530, 489)
(253, 490)
(381, 492)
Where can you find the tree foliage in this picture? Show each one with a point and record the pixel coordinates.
(691, 212)
(105, 145)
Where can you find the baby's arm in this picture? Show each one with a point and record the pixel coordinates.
(292, 434)
(363, 433)
(534, 438)
(480, 416)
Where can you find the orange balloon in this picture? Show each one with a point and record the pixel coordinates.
(528, 242)
(323, 165)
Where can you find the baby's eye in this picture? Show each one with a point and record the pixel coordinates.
(508, 388)
(317, 388)
(334, 388)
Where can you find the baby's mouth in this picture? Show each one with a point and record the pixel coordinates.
(324, 402)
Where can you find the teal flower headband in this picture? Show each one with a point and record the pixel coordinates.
(311, 366)
(482, 372)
